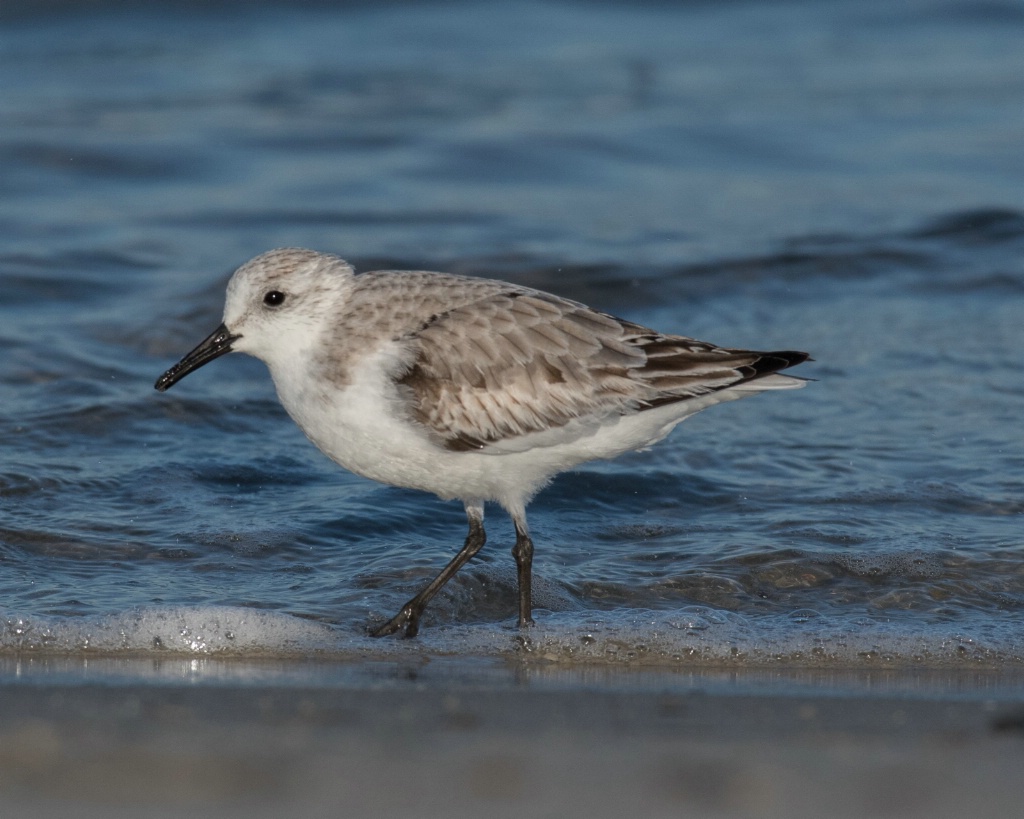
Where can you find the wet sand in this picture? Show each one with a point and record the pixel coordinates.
(464, 740)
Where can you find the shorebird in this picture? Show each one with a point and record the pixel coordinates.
(465, 387)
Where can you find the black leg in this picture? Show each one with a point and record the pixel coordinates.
(409, 616)
(523, 553)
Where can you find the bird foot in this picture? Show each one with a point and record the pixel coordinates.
(408, 619)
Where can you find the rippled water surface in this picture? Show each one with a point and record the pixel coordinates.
(838, 177)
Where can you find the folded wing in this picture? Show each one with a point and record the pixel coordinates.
(521, 362)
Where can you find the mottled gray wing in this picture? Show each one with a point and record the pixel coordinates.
(523, 361)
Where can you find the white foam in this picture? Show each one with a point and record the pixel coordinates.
(692, 637)
(190, 630)
(701, 637)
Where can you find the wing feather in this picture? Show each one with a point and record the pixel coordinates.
(521, 361)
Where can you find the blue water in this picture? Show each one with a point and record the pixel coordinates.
(838, 177)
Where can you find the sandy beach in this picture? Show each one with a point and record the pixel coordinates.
(457, 739)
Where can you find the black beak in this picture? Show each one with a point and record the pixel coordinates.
(211, 347)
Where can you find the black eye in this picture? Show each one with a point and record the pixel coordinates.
(273, 298)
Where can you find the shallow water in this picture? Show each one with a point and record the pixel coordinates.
(836, 177)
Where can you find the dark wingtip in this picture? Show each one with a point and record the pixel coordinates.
(777, 360)
(793, 357)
